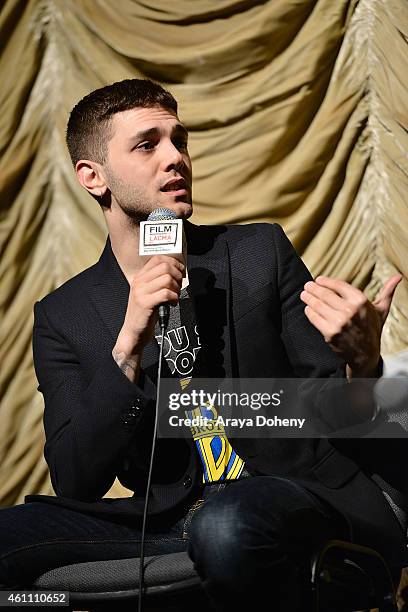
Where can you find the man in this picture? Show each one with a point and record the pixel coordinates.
(249, 529)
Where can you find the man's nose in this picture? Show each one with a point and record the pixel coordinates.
(172, 156)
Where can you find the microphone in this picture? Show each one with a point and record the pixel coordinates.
(161, 234)
(162, 214)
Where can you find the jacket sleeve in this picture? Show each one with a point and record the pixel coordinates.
(89, 424)
(334, 401)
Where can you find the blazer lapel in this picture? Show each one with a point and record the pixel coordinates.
(209, 278)
(110, 294)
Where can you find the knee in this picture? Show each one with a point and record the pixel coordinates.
(233, 550)
(216, 530)
(225, 536)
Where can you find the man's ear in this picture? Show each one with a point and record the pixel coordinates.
(91, 176)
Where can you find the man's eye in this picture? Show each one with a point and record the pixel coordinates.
(146, 146)
(181, 144)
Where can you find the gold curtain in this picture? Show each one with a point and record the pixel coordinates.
(298, 114)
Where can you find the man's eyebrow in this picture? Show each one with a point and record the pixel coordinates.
(154, 131)
(180, 128)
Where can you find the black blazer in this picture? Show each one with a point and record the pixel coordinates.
(245, 282)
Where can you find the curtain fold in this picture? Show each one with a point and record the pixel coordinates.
(298, 114)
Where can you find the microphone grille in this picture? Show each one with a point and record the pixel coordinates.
(162, 214)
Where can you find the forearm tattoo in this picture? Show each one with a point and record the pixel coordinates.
(127, 365)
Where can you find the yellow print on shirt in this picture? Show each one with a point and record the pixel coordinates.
(220, 461)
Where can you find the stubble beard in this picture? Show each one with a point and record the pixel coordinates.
(135, 207)
(133, 202)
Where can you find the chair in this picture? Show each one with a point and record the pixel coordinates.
(347, 577)
(344, 578)
(171, 583)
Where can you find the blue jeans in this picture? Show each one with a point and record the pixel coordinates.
(249, 539)
(36, 537)
(251, 544)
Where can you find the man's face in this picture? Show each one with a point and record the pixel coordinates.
(148, 165)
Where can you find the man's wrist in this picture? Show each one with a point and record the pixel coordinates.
(129, 343)
(369, 370)
(128, 363)
(127, 355)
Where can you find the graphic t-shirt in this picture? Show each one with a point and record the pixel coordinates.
(181, 346)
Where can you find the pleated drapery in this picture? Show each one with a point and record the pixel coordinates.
(297, 112)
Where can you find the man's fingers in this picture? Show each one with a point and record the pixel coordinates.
(322, 308)
(155, 260)
(343, 289)
(319, 293)
(160, 269)
(152, 300)
(165, 281)
(319, 322)
(388, 288)
(382, 302)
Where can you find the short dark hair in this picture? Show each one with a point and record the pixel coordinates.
(88, 129)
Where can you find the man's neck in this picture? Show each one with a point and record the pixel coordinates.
(124, 239)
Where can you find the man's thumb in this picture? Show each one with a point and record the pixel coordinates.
(383, 300)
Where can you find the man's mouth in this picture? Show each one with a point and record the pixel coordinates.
(175, 187)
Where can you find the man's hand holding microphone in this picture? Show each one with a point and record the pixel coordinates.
(156, 284)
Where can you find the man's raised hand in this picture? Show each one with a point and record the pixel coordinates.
(348, 321)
